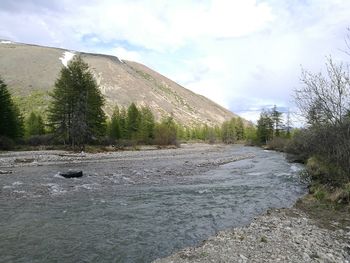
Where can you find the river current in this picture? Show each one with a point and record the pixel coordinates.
(108, 217)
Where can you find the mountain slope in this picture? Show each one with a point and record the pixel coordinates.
(30, 69)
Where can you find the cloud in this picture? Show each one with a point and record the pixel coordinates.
(125, 54)
(243, 54)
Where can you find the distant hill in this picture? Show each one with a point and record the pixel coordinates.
(30, 72)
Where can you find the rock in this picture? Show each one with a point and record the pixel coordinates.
(290, 239)
(5, 172)
(71, 174)
(244, 258)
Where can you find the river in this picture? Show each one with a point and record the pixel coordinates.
(138, 209)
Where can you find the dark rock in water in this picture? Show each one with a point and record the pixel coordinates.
(5, 172)
(71, 174)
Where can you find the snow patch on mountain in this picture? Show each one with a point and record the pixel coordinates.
(5, 42)
(66, 57)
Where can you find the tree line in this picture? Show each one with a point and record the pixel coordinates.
(75, 117)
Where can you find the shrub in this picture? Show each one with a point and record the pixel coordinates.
(165, 133)
(323, 172)
(6, 143)
(37, 140)
(320, 193)
(277, 143)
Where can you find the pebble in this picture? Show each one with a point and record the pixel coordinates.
(273, 237)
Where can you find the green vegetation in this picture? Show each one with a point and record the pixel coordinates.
(324, 144)
(72, 116)
(37, 101)
(34, 125)
(75, 114)
(134, 124)
(11, 121)
(271, 132)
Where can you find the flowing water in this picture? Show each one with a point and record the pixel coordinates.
(109, 217)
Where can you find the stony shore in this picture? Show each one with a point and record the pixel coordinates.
(280, 235)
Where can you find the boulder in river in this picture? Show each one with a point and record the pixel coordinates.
(71, 174)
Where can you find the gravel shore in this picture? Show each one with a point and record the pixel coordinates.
(280, 235)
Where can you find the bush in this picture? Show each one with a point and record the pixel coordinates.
(298, 147)
(165, 133)
(320, 193)
(122, 144)
(277, 143)
(341, 195)
(323, 172)
(37, 140)
(6, 143)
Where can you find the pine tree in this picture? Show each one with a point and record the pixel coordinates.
(265, 127)
(229, 133)
(276, 116)
(76, 113)
(114, 130)
(133, 121)
(34, 125)
(239, 129)
(123, 123)
(146, 126)
(11, 121)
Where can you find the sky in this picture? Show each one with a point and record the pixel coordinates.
(245, 55)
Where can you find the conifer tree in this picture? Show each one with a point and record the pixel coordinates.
(115, 131)
(146, 126)
(11, 121)
(34, 125)
(265, 127)
(276, 116)
(229, 133)
(123, 124)
(133, 121)
(165, 132)
(76, 113)
(239, 129)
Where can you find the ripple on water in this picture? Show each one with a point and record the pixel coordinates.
(55, 189)
(93, 186)
(256, 173)
(296, 167)
(112, 218)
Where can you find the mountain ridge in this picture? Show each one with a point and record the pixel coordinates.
(28, 68)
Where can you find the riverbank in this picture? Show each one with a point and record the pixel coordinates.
(201, 155)
(134, 206)
(308, 232)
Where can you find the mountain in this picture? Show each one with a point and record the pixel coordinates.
(30, 72)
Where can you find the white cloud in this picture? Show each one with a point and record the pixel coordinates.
(125, 54)
(243, 54)
(168, 25)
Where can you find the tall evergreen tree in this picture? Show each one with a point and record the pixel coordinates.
(276, 116)
(11, 121)
(133, 121)
(239, 129)
(123, 123)
(229, 132)
(34, 125)
(146, 126)
(115, 130)
(265, 127)
(76, 113)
